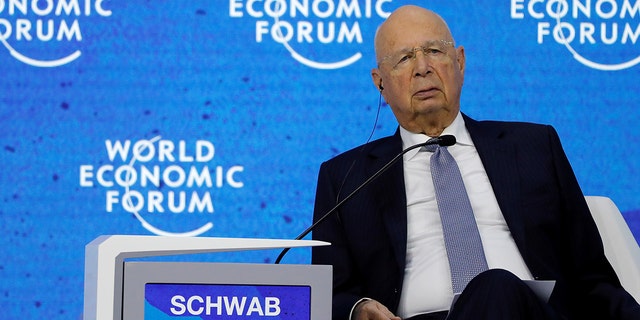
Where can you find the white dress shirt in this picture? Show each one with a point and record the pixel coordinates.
(427, 279)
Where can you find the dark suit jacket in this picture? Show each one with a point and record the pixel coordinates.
(536, 190)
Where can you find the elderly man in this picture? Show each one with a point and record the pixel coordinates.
(391, 245)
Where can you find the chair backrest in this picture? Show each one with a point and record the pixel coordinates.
(620, 246)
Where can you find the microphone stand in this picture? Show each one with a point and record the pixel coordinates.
(446, 140)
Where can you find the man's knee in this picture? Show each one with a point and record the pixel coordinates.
(499, 294)
(497, 276)
(497, 282)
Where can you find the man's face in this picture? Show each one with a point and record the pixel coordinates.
(420, 70)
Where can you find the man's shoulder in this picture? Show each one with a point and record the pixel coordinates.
(373, 148)
(507, 126)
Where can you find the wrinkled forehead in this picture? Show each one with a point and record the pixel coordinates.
(410, 28)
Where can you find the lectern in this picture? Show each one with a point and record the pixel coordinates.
(119, 289)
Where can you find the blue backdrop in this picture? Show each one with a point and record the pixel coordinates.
(211, 118)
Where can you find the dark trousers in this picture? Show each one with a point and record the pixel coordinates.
(497, 295)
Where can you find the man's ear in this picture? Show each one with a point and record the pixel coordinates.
(461, 59)
(377, 79)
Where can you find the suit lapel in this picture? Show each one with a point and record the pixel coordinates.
(498, 154)
(391, 196)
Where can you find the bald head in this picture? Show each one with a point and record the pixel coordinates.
(407, 21)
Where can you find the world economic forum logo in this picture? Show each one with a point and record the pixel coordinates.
(600, 34)
(166, 185)
(316, 33)
(23, 23)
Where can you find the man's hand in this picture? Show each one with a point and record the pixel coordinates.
(372, 310)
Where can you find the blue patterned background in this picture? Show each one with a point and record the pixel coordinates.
(198, 71)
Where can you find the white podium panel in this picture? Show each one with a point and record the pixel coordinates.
(105, 265)
(160, 290)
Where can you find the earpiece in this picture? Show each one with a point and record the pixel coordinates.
(380, 86)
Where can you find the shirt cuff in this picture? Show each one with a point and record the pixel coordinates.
(355, 305)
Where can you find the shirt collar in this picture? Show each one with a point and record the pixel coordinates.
(456, 128)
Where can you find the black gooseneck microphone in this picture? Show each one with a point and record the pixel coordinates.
(443, 141)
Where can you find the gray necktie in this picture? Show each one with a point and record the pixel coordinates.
(461, 236)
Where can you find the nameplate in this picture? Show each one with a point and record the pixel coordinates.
(226, 301)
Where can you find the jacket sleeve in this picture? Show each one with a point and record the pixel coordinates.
(596, 290)
(345, 290)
